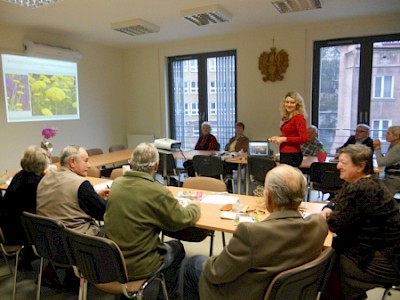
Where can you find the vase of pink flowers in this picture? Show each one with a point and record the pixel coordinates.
(47, 134)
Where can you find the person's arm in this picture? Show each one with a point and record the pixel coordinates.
(391, 157)
(212, 143)
(90, 202)
(197, 146)
(234, 260)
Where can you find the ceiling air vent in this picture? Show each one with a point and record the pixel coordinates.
(135, 27)
(287, 6)
(206, 15)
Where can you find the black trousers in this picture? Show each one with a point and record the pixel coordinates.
(292, 159)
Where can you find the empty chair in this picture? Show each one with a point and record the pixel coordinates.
(208, 184)
(8, 251)
(169, 170)
(45, 236)
(100, 261)
(94, 151)
(325, 177)
(94, 172)
(303, 282)
(258, 167)
(209, 166)
(116, 173)
(117, 147)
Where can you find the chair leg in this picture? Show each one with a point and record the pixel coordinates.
(223, 239)
(39, 279)
(164, 286)
(211, 244)
(15, 274)
(8, 264)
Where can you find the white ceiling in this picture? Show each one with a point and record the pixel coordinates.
(90, 20)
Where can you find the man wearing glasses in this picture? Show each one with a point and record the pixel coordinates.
(361, 136)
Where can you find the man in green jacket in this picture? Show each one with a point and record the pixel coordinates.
(137, 210)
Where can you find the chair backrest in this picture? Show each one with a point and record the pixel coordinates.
(93, 172)
(116, 173)
(303, 282)
(45, 235)
(98, 259)
(259, 166)
(94, 151)
(325, 174)
(118, 147)
(208, 165)
(171, 165)
(55, 159)
(205, 183)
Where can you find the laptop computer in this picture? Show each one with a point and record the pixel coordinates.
(259, 148)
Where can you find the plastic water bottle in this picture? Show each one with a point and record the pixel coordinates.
(236, 210)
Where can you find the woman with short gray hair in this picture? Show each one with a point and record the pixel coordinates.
(21, 196)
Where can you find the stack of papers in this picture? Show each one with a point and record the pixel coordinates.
(219, 199)
(102, 186)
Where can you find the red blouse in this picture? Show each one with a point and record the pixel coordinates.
(295, 130)
(207, 142)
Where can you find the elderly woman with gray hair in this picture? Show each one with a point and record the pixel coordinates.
(366, 219)
(21, 196)
(391, 161)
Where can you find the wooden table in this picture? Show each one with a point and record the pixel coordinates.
(110, 158)
(210, 213)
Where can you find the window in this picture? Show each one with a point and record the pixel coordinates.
(383, 87)
(194, 87)
(186, 87)
(211, 97)
(195, 109)
(350, 79)
(193, 65)
(185, 66)
(213, 108)
(213, 88)
(186, 108)
(379, 128)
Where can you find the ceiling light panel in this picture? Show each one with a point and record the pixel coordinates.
(287, 6)
(32, 3)
(135, 27)
(205, 15)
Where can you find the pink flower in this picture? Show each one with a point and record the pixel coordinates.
(49, 132)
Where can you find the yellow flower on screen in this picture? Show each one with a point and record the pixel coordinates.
(55, 94)
(37, 86)
(46, 112)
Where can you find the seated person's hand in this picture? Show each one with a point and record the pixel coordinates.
(326, 212)
(377, 144)
(104, 193)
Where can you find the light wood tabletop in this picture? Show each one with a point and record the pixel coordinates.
(110, 158)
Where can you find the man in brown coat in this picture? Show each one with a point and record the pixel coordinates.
(258, 251)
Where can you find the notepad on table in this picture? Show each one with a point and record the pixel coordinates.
(219, 199)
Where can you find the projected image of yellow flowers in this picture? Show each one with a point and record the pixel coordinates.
(53, 94)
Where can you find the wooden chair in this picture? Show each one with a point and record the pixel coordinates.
(8, 251)
(208, 184)
(100, 261)
(303, 282)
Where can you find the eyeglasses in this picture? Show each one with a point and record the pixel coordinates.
(358, 131)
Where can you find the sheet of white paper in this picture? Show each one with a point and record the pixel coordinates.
(103, 185)
(219, 199)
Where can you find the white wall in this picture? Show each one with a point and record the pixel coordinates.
(258, 101)
(101, 94)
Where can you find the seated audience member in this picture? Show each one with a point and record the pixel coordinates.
(391, 161)
(366, 219)
(66, 195)
(361, 136)
(258, 251)
(139, 208)
(313, 145)
(206, 141)
(238, 143)
(21, 196)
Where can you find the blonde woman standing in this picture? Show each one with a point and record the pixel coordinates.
(293, 129)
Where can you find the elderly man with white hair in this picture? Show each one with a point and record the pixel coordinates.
(139, 208)
(258, 251)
